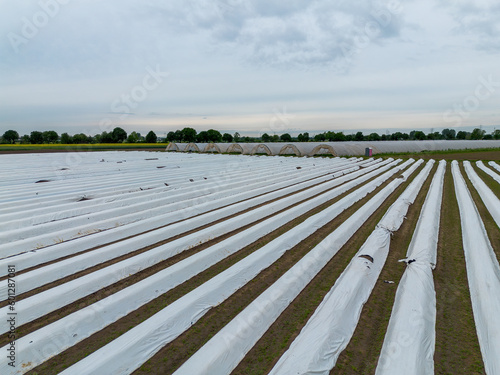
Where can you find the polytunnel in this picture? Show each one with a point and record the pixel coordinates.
(172, 147)
(334, 148)
(214, 147)
(192, 147)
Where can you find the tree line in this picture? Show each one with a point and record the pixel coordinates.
(118, 135)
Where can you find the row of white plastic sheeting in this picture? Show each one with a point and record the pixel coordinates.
(330, 328)
(133, 348)
(77, 326)
(226, 195)
(483, 274)
(201, 214)
(52, 272)
(492, 174)
(490, 200)
(410, 337)
(52, 299)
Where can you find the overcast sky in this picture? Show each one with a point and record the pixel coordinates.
(250, 66)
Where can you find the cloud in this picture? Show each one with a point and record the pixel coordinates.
(286, 34)
(479, 20)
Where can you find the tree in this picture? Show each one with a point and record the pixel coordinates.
(275, 138)
(303, 137)
(448, 133)
(188, 135)
(25, 139)
(81, 138)
(66, 138)
(226, 137)
(202, 137)
(171, 136)
(133, 137)
(461, 135)
(359, 136)
(118, 135)
(36, 137)
(477, 134)
(338, 137)
(286, 137)
(151, 137)
(10, 136)
(496, 134)
(265, 137)
(50, 136)
(106, 137)
(420, 135)
(374, 137)
(236, 137)
(214, 135)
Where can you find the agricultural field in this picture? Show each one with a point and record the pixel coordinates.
(141, 262)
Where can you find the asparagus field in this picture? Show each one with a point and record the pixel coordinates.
(146, 262)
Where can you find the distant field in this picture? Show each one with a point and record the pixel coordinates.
(478, 154)
(26, 148)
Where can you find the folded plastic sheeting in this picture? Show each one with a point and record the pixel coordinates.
(330, 328)
(490, 200)
(136, 346)
(493, 174)
(410, 338)
(483, 273)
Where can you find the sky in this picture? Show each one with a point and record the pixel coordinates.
(256, 66)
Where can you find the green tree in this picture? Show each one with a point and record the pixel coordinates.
(236, 137)
(339, 137)
(36, 137)
(10, 136)
(171, 136)
(25, 139)
(66, 139)
(496, 134)
(461, 134)
(118, 135)
(420, 135)
(265, 137)
(151, 137)
(374, 137)
(359, 136)
(477, 134)
(226, 137)
(50, 136)
(81, 138)
(448, 134)
(133, 137)
(202, 137)
(214, 135)
(286, 137)
(188, 135)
